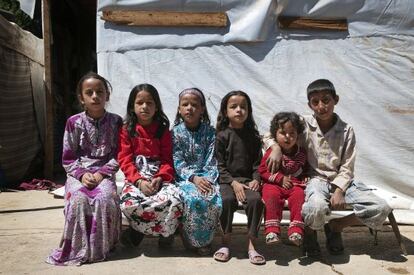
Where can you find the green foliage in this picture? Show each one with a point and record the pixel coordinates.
(13, 6)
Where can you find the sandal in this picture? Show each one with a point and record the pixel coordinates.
(272, 238)
(255, 258)
(222, 255)
(333, 241)
(295, 238)
(311, 246)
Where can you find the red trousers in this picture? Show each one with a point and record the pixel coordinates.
(274, 197)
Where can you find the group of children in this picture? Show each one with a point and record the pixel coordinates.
(194, 177)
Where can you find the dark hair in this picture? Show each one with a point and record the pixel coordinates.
(204, 117)
(319, 86)
(223, 120)
(107, 85)
(281, 118)
(131, 119)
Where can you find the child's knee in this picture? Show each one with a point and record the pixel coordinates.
(270, 199)
(383, 207)
(314, 211)
(255, 200)
(228, 201)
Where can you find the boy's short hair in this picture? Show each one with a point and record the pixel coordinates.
(319, 86)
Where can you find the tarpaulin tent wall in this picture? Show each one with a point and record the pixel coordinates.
(371, 66)
(22, 103)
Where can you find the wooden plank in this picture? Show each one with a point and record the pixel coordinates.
(286, 22)
(21, 41)
(47, 42)
(166, 19)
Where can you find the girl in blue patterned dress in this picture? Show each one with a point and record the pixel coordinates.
(196, 170)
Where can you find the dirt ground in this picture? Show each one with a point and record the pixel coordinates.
(31, 225)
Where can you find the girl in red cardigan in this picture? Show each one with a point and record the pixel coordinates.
(149, 199)
(287, 183)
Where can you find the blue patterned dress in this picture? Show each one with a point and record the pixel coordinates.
(193, 153)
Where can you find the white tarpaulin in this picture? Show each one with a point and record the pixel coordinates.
(371, 65)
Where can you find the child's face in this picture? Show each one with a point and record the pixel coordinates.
(190, 109)
(94, 97)
(286, 136)
(144, 108)
(237, 111)
(323, 103)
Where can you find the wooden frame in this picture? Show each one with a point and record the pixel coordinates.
(286, 22)
(166, 19)
(48, 164)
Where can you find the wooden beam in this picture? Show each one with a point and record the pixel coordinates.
(166, 19)
(21, 41)
(47, 40)
(286, 22)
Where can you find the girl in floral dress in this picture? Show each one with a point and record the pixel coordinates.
(149, 199)
(196, 170)
(92, 213)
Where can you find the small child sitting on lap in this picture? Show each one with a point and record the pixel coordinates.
(287, 183)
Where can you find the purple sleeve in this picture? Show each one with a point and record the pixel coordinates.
(112, 166)
(70, 156)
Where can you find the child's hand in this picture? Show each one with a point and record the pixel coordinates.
(272, 178)
(274, 158)
(338, 200)
(88, 180)
(156, 183)
(203, 185)
(146, 188)
(287, 184)
(98, 177)
(254, 185)
(238, 189)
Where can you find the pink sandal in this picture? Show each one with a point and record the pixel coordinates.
(255, 258)
(222, 255)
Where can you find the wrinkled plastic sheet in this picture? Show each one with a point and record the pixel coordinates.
(371, 67)
(252, 21)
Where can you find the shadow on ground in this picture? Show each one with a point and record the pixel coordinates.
(357, 241)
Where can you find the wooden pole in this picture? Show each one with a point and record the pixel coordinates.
(286, 22)
(166, 19)
(48, 144)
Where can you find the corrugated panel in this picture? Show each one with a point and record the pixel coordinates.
(19, 135)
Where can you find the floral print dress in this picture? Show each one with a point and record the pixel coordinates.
(145, 157)
(193, 154)
(92, 216)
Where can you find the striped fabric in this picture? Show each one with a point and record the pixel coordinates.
(19, 135)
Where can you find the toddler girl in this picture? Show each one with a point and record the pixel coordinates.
(287, 183)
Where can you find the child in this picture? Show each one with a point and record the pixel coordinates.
(238, 153)
(196, 170)
(149, 199)
(330, 145)
(287, 183)
(92, 214)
